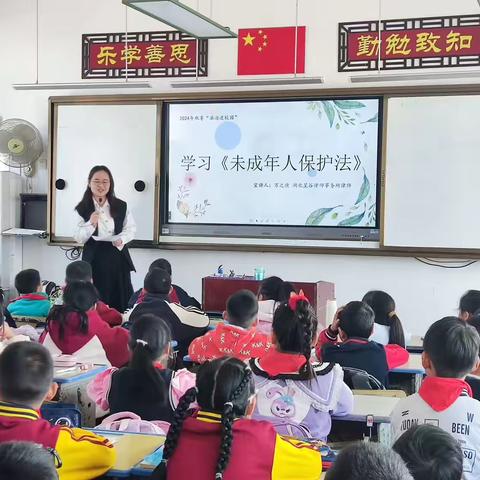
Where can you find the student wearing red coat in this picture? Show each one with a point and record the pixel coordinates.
(75, 328)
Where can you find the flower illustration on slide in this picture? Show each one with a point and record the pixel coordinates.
(184, 205)
(190, 180)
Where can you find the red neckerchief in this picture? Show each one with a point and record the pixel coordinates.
(275, 362)
(441, 393)
(30, 296)
(172, 296)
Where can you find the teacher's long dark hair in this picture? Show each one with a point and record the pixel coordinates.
(86, 207)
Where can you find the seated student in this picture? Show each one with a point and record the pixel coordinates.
(430, 453)
(10, 333)
(353, 324)
(388, 328)
(295, 396)
(186, 323)
(26, 374)
(237, 337)
(199, 445)
(75, 328)
(473, 378)
(80, 271)
(26, 461)
(31, 302)
(451, 349)
(272, 292)
(177, 294)
(7, 316)
(146, 386)
(368, 461)
(469, 304)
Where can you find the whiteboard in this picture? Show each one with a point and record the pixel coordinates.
(432, 172)
(122, 137)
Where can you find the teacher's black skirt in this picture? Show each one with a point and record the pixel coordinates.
(111, 275)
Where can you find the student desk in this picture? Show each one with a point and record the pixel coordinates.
(414, 369)
(72, 382)
(415, 345)
(131, 449)
(378, 409)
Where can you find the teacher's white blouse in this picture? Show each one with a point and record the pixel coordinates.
(106, 227)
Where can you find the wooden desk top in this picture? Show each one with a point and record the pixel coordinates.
(131, 449)
(413, 366)
(77, 373)
(363, 405)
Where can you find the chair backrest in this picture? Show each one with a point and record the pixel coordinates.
(358, 379)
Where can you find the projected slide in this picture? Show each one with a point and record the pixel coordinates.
(289, 163)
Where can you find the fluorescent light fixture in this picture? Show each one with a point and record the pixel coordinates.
(264, 82)
(181, 17)
(397, 77)
(79, 85)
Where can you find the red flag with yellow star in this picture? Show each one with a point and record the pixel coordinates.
(269, 51)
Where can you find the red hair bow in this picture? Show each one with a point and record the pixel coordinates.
(295, 298)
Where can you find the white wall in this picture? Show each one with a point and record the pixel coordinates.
(423, 293)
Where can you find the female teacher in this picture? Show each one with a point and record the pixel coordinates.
(105, 227)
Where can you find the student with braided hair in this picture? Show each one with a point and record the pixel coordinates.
(297, 396)
(220, 442)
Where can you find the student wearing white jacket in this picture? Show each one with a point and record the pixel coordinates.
(450, 352)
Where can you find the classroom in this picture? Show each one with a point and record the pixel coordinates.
(239, 227)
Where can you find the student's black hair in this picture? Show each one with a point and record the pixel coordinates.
(470, 301)
(26, 373)
(475, 321)
(242, 308)
(162, 263)
(26, 461)
(78, 297)
(274, 288)
(149, 339)
(158, 280)
(430, 453)
(295, 330)
(368, 461)
(86, 206)
(356, 320)
(78, 271)
(383, 305)
(27, 281)
(224, 386)
(453, 347)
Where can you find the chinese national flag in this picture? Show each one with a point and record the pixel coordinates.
(268, 51)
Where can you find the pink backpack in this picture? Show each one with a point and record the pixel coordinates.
(131, 422)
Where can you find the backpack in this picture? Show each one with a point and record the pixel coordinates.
(130, 422)
(63, 414)
(286, 403)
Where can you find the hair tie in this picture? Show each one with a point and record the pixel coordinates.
(228, 403)
(295, 298)
(392, 314)
(219, 476)
(142, 342)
